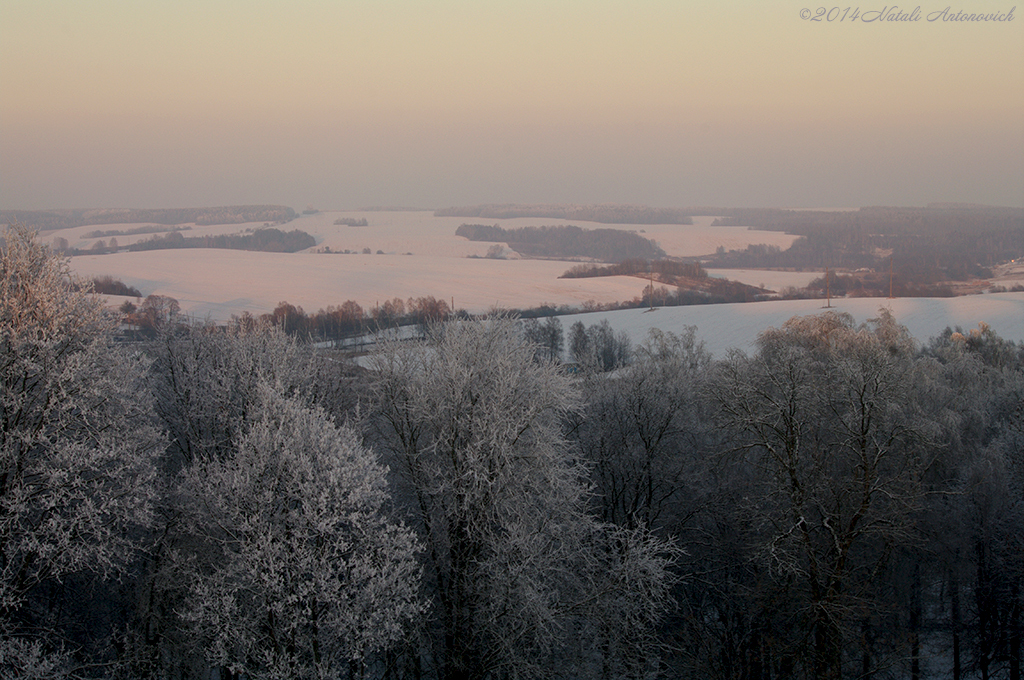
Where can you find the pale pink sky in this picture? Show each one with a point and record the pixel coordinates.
(348, 103)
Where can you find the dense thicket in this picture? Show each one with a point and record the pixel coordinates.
(526, 582)
(840, 503)
(77, 461)
(145, 229)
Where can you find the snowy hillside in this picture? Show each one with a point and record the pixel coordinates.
(737, 325)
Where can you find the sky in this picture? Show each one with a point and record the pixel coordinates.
(342, 104)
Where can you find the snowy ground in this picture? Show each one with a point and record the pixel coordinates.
(737, 325)
(762, 278)
(421, 255)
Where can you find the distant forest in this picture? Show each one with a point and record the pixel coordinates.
(606, 245)
(634, 267)
(46, 220)
(145, 229)
(268, 240)
(927, 245)
(605, 214)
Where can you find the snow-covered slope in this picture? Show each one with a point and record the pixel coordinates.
(737, 325)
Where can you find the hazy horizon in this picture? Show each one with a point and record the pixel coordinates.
(431, 104)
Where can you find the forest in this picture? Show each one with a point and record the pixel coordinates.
(501, 499)
(926, 245)
(267, 239)
(566, 242)
(45, 220)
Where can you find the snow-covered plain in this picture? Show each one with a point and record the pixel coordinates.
(421, 255)
(722, 327)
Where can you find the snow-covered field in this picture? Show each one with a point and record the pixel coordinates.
(737, 325)
(219, 283)
(421, 255)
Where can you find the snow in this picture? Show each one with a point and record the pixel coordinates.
(722, 327)
(421, 256)
(217, 284)
(763, 278)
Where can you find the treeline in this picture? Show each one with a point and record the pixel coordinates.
(268, 240)
(351, 222)
(350, 319)
(933, 219)
(565, 242)
(870, 284)
(606, 214)
(682, 283)
(66, 219)
(224, 502)
(108, 285)
(637, 266)
(147, 229)
(926, 245)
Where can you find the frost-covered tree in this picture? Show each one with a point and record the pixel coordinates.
(976, 523)
(525, 582)
(207, 382)
(304, 575)
(206, 377)
(77, 447)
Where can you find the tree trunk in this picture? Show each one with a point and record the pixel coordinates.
(1014, 641)
(955, 623)
(865, 658)
(915, 624)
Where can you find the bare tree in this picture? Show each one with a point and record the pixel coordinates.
(977, 522)
(547, 336)
(827, 412)
(205, 379)
(642, 426)
(599, 347)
